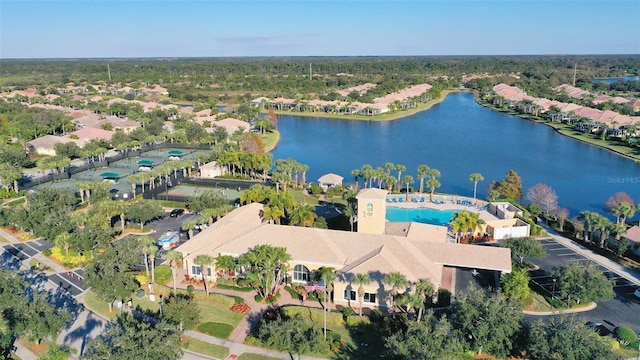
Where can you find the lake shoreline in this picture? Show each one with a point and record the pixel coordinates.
(429, 104)
(634, 158)
(375, 118)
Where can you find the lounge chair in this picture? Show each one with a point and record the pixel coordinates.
(395, 200)
(401, 199)
(422, 199)
(414, 200)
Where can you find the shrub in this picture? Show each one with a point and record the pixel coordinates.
(141, 279)
(190, 290)
(355, 320)
(47, 252)
(73, 260)
(258, 298)
(163, 274)
(215, 329)
(613, 343)
(294, 294)
(348, 312)
(222, 299)
(272, 299)
(235, 288)
(316, 189)
(375, 315)
(625, 335)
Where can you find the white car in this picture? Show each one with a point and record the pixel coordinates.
(144, 168)
(637, 293)
(175, 158)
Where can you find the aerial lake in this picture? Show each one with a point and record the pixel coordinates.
(460, 137)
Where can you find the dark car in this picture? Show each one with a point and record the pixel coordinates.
(176, 212)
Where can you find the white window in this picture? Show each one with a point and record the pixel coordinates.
(369, 298)
(301, 273)
(197, 270)
(349, 295)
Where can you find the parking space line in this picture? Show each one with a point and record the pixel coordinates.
(34, 248)
(70, 282)
(19, 250)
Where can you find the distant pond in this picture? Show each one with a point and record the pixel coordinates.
(460, 137)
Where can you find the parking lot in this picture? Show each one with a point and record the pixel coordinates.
(27, 249)
(71, 281)
(624, 309)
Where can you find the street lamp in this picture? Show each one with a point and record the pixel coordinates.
(553, 293)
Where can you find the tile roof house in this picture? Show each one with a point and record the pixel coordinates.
(45, 145)
(419, 251)
(231, 125)
(330, 180)
(85, 135)
(633, 235)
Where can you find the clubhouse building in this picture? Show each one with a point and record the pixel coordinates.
(416, 250)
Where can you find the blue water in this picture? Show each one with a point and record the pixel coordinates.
(460, 137)
(616, 80)
(421, 215)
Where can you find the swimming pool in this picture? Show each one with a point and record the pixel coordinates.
(421, 215)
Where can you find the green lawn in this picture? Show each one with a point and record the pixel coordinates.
(205, 348)
(270, 140)
(214, 312)
(3, 240)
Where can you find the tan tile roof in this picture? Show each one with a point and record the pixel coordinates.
(633, 234)
(416, 256)
(331, 178)
(372, 193)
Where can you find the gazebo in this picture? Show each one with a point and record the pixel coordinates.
(149, 163)
(330, 180)
(110, 176)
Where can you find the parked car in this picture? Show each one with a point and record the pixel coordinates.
(176, 213)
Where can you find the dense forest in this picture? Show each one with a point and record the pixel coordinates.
(237, 79)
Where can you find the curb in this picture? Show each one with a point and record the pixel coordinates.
(590, 307)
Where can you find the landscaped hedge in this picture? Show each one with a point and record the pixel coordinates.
(625, 335)
(215, 329)
(235, 288)
(535, 228)
(314, 314)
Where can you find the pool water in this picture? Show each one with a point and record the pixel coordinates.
(421, 215)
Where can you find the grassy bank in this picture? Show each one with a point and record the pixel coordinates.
(382, 117)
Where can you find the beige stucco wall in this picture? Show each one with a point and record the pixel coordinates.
(371, 215)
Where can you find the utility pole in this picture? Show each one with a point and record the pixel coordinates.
(310, 76)
(109, 72)
(575, 70)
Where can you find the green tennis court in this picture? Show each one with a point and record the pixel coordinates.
(193, 190)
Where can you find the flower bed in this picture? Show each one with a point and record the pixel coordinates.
(240, 308)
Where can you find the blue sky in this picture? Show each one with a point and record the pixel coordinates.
(134, 28)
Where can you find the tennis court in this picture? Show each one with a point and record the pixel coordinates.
(193, 190)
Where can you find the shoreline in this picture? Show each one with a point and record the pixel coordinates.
(426, 106)
(633, 158)
(376, 118)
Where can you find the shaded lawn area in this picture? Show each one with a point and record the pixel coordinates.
(201, 347)
(364, 342)
(209, 311)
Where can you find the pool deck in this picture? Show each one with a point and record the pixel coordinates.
(446, 205)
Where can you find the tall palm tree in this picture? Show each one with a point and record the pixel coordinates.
(475, 177)
(388, 167)
(424, 288)
(433, 182)
(367, 173)
(350, 213)
(397, 281)
(328, 275)
(623, 211)
(590, 219)
(145, 243)
(356, 173)
(423, 170)
(64, 241)
(407, 180)
(174, 257)
(188, 227)
(202, 261)
(400, 168)
(152, 250)
(361, 279)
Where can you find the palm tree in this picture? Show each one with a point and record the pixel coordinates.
(388, 167)
(356, 173)
(400, 168)
(424, 288)
(361, 279)
(188, 227)
(226, 263)
(590, 219)
(433, 183)
(423, 170)
(350, 213)
(174, 257)
(396, 280)
(152, 250)
(204, 260)
(303, 215)
(623, 211)
(475, 177)
(145, 243)
(328, 275)
(407, 180)
(64, 241)
(367, 173)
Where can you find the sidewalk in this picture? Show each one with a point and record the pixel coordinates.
(624, 272)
